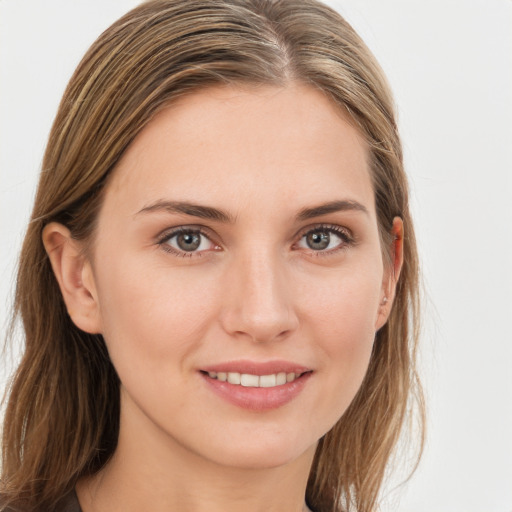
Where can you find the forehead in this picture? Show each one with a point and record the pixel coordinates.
(236, 145)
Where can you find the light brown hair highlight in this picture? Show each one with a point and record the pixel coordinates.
(62, 417)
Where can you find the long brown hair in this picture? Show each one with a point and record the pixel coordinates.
(62, 417)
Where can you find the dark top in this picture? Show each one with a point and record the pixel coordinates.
(70, 503)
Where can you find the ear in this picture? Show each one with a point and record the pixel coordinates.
(73, 272)
(391, 273)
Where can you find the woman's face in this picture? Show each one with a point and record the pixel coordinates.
(238, 276)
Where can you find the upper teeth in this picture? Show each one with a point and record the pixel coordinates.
(254, 381)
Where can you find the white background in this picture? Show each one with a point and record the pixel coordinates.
(450, 65)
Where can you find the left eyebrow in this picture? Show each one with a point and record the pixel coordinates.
(331, 207)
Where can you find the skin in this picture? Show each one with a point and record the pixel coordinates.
(254, 290)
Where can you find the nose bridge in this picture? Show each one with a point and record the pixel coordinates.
(260, 305)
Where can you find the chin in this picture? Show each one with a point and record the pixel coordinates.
(260, 453)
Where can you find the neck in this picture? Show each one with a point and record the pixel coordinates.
(150, 471)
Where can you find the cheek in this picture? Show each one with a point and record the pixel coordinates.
(341, 317)
(346, 325)
(153, 314)
(345, 301)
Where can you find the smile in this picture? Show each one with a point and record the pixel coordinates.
(255, 381)
(257, 386)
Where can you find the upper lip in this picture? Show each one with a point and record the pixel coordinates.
(257, 367)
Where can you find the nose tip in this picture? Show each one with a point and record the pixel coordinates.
(265, 326)
(260, 305)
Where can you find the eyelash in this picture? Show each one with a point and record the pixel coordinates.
(346, 237)
(165, 237)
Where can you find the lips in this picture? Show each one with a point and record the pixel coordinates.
(257, 368)
(257, 386)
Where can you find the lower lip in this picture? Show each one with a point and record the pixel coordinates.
(257, 399)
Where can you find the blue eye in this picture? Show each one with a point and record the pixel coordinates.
(186, 242)
(324, 239)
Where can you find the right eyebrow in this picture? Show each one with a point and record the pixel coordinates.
(331, 207)
(194, 210)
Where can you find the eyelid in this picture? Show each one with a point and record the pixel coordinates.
(344, 233)
(163, 237)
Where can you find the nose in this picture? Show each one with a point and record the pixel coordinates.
(258, 303)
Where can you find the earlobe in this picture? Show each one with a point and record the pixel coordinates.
(391, 273)
(74, 274)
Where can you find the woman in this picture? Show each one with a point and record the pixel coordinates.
(219, 283)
